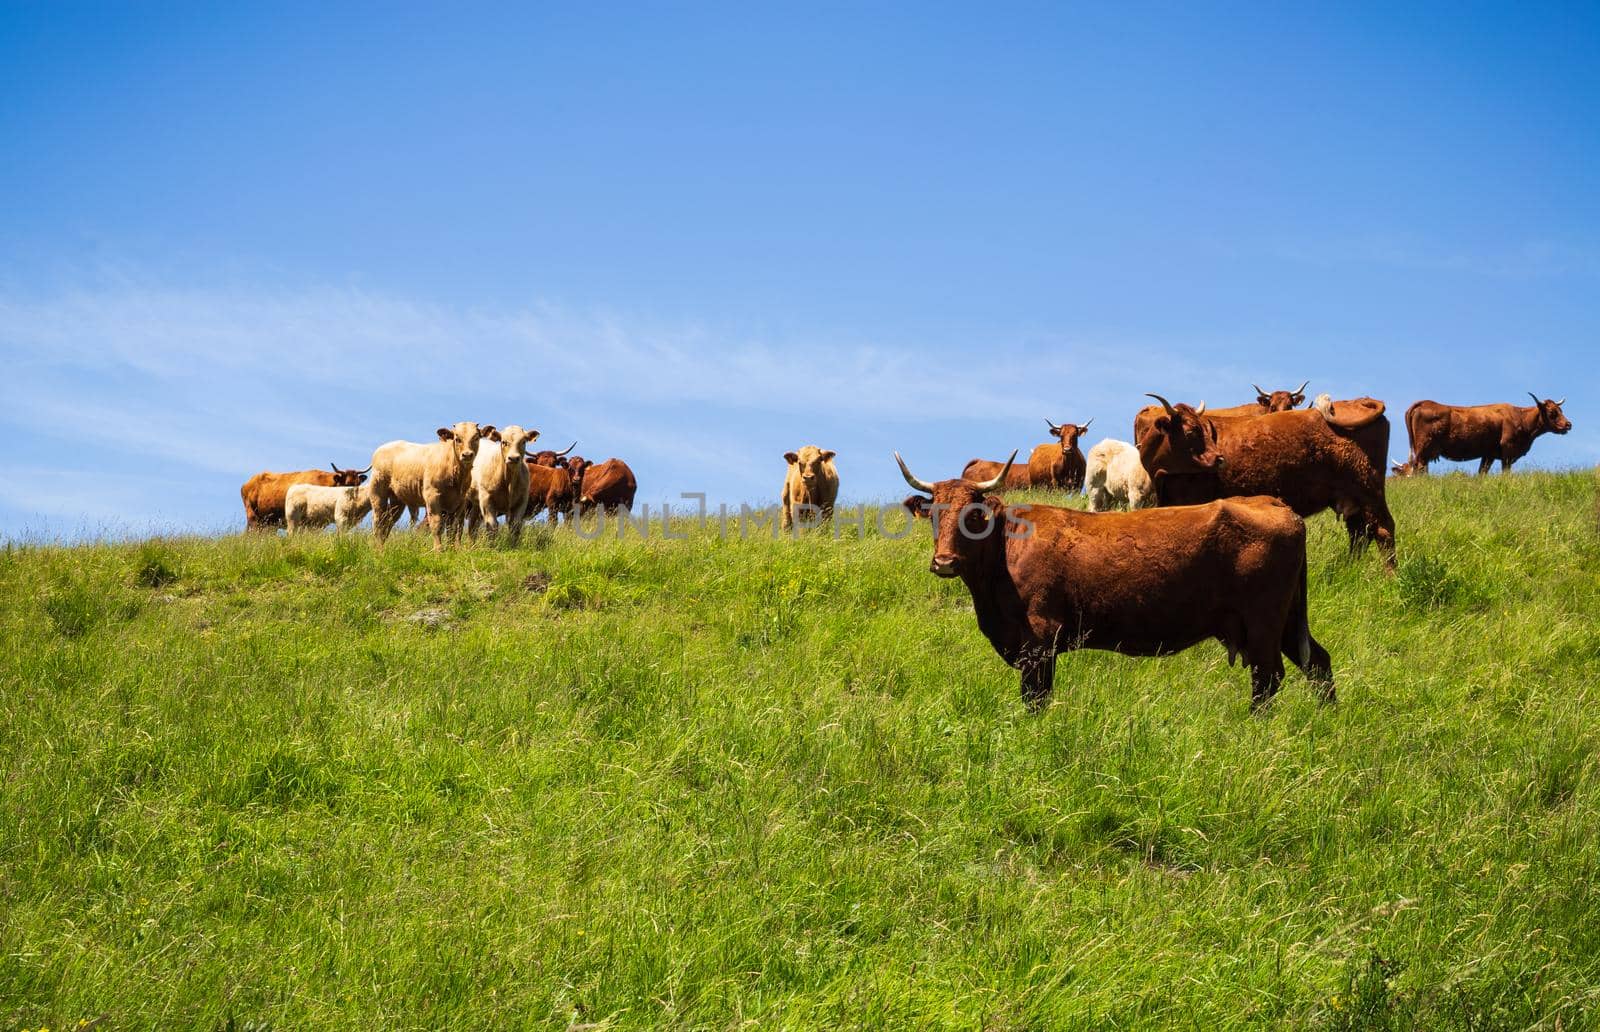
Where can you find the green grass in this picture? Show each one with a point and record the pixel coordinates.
(719, 784)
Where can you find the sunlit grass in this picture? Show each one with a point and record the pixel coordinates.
(699, 783)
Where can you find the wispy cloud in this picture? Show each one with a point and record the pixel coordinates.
(175, 396)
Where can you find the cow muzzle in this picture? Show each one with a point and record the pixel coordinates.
(943, 566)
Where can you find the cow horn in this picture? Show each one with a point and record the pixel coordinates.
(990, 485)
(1561, 402)
(1200, 409)
(1302, 388)
(1052, 426)
(1260, 391)
(367, 470)
(1085, 428)
(571, 446)
(920, 485)
(1536, 402)
(1165, 403)
(335, 467)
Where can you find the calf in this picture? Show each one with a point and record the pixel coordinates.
(1116, 478)
(312, 507)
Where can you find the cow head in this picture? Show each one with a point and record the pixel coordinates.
(513, 441)
(348, 477)
(967, 520)
(463, 439)
(576, 465)
(1551, 417)
(554, 459)
(1068, 433)
(1281, 401)
(810, 461)
(1181, 441)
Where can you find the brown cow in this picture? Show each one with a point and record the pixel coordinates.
(1058, 464)
(554, 459)
(1046, 579)
(1462, 433)
(265, 494)
(1275, 401)
(1312, 459)
(551, 489)
(609, 485)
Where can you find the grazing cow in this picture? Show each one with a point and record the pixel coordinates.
(500, 481)
(811, 486)
(1462, 433)
(1274, 401)
(265, 494)
(1116, 478)
(1046, 579)
(312, 507)
(610, 485)
(551, 489)
(554, 459)
(436, 476)
(1311, 459)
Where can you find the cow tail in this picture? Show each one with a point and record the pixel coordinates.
(1411, 430)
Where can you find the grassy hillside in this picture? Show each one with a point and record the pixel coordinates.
(706, 783)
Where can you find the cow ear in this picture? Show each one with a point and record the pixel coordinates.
(1162, 423)
(1213, 428)
(916, 505)
(827, 454)
(444, 435)
(486, 431)
(790, 457)
(493, 435)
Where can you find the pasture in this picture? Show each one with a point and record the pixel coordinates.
(251, 783)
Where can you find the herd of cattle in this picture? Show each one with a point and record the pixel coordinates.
(471, 476)
(1212, 545)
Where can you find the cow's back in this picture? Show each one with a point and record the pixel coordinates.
(609, 483)
(1163, 594)
(398, 471)
(1296, 456)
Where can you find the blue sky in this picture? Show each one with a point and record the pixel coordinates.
(274, 236)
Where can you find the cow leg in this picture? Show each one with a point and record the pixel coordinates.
(436, 526)
(1380, 524)
(1038, 678)
(1317, 665)
(1266, 674)
(1484, 464)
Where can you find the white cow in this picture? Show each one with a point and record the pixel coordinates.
(312, 506)
(500, 480)
(435, 476)
(1116, 478)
